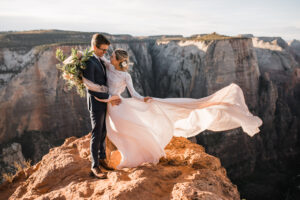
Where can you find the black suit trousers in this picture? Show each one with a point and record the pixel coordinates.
(97, 144)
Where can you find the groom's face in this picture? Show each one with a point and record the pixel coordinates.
(101, 50)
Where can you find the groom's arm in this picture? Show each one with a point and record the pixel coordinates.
(88, 73)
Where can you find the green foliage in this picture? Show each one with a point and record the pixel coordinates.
(72, 68)
(60, 55)
(204, 37)
(213, 36)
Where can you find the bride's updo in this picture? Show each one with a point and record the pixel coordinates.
(122, 55)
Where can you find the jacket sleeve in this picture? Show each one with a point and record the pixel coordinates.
(88, 73)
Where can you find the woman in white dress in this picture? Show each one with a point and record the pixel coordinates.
(141, 127)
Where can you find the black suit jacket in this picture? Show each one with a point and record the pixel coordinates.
(96, 72)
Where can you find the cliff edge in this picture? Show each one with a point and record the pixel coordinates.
(186, 172)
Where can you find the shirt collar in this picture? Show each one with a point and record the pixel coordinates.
(96, 56)
(99, 58)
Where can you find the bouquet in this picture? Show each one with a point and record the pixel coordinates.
(72, 68)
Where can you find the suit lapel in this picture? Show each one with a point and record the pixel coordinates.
(101, 65)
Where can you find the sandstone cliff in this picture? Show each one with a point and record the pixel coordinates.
(186, 172)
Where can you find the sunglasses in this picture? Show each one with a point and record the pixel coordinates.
(104, 50)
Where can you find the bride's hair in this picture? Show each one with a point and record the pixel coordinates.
(120, 55)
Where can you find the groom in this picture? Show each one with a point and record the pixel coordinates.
(96, 72)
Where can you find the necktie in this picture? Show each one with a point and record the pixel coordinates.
(99, 59)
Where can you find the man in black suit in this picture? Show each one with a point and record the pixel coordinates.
(96, 72)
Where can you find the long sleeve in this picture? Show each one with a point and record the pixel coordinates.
(88, 73)
(131, 89)
(94, 87)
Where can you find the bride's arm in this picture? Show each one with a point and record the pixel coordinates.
(132, 91)
(96, 88)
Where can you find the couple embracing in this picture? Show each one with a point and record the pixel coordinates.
(96, 81)
(140, 127)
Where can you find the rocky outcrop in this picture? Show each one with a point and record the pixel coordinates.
(186, 172)
(12, 154)
(11, 159)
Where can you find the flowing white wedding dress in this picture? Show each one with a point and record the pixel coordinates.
(140, 130)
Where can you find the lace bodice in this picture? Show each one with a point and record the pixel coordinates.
(118, 80)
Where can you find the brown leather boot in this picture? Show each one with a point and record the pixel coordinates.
(96, 171)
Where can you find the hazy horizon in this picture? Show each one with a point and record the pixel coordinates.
(275, 18)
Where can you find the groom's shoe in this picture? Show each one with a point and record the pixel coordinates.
(104, 164)
(96, 171)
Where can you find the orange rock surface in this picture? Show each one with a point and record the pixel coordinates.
(186, 172)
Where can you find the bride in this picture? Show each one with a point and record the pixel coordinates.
(141, 127)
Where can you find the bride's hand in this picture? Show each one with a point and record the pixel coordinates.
(146, 99)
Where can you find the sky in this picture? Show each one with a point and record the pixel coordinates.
(155, 17)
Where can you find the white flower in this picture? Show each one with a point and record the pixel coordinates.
(124, 64)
